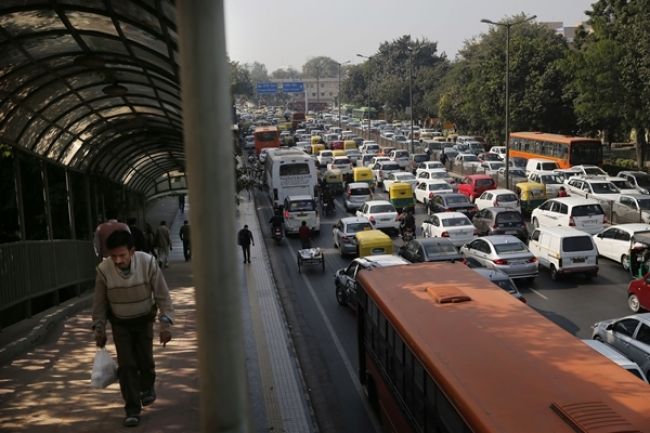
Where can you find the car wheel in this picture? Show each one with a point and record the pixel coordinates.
(555, 275)
(340, 295)
(625, 261)
(535, 223)
(633, 303)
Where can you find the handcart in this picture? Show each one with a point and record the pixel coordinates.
(311, 256)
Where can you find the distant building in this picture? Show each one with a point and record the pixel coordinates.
(559, 28)
(328, 88)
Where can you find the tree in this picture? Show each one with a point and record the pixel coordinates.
(257, 72)
(289, 73)
(240, 81)
(322, 66)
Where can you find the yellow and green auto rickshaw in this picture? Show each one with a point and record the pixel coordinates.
(401, 196)
(334, 181)
(350, 145)
(531, 195)
(373, 242)
(316, 148)
(363, 174)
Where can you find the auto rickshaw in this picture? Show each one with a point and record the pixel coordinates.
(531, 195)
(316, 139)
(401, 196)
(363, 174)
(373, 242)
(334, 181)
(316, 148)
(350, 145)
(339, 152)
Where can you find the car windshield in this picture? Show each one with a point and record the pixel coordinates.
(462, 147)
(517, 172)
(357, 227)
(594, 170)
(457, 199)
(644, 203)
(470, 158)
(621, 184)
(405, 177)
(439, 186)
(551, 179)
(548, 166)
(587, 210)
(642, 179)
(506, 198)
(577, 243)
(509, 217)
(342, 161)
(379, 208)
(359, 191)
(420, 158)
(390, 167)
(455, 222)
(440, 248)
(483, 183)
(510, 247)
(301, 205)
(604, 188)
(439, 175)
(496, 165)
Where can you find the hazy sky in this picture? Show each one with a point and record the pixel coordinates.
(282, 33)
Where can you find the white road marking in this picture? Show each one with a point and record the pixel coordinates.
(538, 294)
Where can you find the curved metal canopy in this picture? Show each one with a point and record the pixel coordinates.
(94, 85)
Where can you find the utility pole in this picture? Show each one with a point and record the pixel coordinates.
(367, 89)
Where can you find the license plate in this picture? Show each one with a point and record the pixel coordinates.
(578, 260)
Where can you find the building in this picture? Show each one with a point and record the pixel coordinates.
(319, 92)
(568, 32)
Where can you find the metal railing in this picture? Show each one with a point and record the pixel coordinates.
(31, 269)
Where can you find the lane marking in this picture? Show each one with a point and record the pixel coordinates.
(538, 293)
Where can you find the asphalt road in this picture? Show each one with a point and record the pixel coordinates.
(325, 333)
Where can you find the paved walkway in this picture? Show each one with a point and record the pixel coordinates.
(47, 389)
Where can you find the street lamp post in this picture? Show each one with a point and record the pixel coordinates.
(508, 25)
(338, 97)
(410, 50)
(367, 90)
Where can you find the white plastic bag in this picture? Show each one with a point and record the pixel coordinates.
(104, 369)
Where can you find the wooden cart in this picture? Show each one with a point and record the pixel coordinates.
(311, 256)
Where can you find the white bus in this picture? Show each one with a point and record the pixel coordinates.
(289, 172)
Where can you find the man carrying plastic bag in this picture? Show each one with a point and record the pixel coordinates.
(104, 370)
(129, 289)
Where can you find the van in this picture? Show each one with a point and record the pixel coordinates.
(539, 165)
(584, 214)
(299, 208)
(616, 357)
(564, 250)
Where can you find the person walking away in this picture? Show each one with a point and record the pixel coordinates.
(184, 234)
(245, 239)
(129, 290)
(103, 231)
(163, 244)
(304, 233)
(149, 240)
(138, 236)
(181, 203)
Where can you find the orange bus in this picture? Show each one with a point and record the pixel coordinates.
(563, 149)
(442, 350)
(266, 136)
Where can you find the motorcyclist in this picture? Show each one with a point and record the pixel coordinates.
(276, 220)
(328, 200)
(407, 221)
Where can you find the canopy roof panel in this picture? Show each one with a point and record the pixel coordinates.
(94, 84)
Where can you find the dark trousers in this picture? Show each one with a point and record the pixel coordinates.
(246, 249)
(136, 368)
(186, 250)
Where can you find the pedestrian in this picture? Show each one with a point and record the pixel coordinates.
(149, 240)
(129, 290)
(562, 192)
(138, 236)
(304, 233)
(443, 158)
(184, 234)
(245, 239)
(103, 231)
(163, 244)
(181, 203)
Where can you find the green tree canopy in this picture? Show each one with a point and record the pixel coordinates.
(321, 66)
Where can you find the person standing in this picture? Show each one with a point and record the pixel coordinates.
(129, 290)
(245, 239)
(163, 244)
(102, 233)
(184, 234)
(304, 233)
(181, 203)
(138, 237)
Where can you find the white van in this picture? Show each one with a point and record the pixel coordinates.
(616, 357)
(299, 208)
(541, 165)
(584, 214)
(564, 250)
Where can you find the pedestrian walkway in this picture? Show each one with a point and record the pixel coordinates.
(47, 390)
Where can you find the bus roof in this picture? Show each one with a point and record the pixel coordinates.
(500, 362)
(266, 128)
(555, 138)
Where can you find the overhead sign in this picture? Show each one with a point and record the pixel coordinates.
(267, 87)
(294, 87)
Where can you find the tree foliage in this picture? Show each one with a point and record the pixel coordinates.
(321, 66)
(289, 73)
(240, 81)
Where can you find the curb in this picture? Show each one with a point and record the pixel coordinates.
(43, 326)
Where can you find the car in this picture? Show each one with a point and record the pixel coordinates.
(629, 335)
(299, 208)
(345, 279)
(564, 250)
(382, 169)
(590, 170)
(324, 157)
(489, 156)
(638, 179)
(551, 181)
(356, 194)
(468, 161)
(498, 198)
(632, 208)
(638, 295)
(616, 357)
(461, 148)
(354, 156)
(451, 203)
(399, 176)
(342, 163)
(500, 221)
(624, 187)
(437, 174)
(581, 213)
(596, 188)
(504, 252)
(541, 165)
(516, 175)
(381, 214)
(500, 279)
(499, 150)
(429, 165)
(490, 167)
(365, 160)
(452, 225)
(399, 156)
(343, 233)
(474, 185)
(379, 158)
(615, 241)
(400, 139)
(425, 190)
(430, 250)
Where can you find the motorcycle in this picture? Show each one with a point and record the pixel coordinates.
(276, 234)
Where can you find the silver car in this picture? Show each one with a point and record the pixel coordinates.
(504, 252)
(344, 233)
(630, 335)
(356, 194)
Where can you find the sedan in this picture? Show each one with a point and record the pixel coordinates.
(490, 167)
(502, 280)
(401, 177)
(425, 190)
(381, 214)
(500, 221)
(451, 203)
(453, 225)
(435, 173)
(629, 335)
(430, 250)
(504, 252)
(344, 231)
(468, 161)
(615, 241)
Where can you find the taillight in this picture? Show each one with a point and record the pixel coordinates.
(286, 214)
(532, 260)
(444, 234)
(500, 262)
(572, 222)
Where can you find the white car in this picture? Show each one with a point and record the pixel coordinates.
(615, 242)
(622, 184)
(491, 167)
(429, 165)
(399, 156)
(324, 157)
(382, 169)
(468, 161)
(399, 176)
(354, 156)
(381, 214)
(498, 198)
(589, 170)
(375, 159)
(499, 150)
(435, 174)
(453, 225)
(342, 163)
(596, 188)
(344, 233)
(581, 213)
(426, 189)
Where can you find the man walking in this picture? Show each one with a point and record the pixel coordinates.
(304, 233)
(245, 239)
(163, 244)
(184, 234)
(129, 289)
(102, 233)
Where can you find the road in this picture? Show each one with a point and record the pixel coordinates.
(324, 333)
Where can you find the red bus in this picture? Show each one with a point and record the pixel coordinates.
(443, 350)
(563, 149)
(266, 136)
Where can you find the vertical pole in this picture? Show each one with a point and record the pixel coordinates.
(508, 105)
(90, 222)
(338, 96)
(411, 100)
(46, 198)
(207, 120)
(368, 91)
(318, 88)
(20, 203)
(70, 199)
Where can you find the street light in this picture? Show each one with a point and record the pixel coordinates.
(338, 97)
(507, 25)
(367, 89)
(410, 50)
